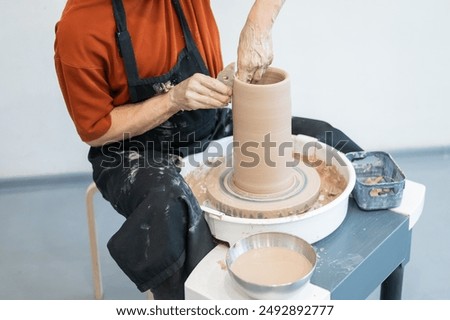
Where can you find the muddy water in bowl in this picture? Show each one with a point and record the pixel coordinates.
(271, 265)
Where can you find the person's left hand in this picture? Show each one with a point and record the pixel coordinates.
(255, 53)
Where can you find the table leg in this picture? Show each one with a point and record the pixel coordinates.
(391, 288)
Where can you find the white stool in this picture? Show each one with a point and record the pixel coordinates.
(95, 261)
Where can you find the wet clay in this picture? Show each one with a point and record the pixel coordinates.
(262, 134)
(332, 184)
(300, 195)
(281, 266)
(264, 180)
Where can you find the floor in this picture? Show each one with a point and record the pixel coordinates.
(44, 250)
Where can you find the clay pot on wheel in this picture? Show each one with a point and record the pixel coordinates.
(262, 134)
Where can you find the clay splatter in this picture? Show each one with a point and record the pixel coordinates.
(133, 155)
(131, 178)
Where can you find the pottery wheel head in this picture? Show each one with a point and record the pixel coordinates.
(226, 197)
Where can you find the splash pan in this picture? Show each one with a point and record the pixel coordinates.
(312, 225)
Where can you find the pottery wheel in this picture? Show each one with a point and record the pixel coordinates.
(226, 197)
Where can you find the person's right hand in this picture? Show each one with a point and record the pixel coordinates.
(199, 92)
(255, 53)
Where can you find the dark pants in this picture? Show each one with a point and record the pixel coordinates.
(165, 235)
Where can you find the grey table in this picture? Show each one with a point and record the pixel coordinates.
(355, 259)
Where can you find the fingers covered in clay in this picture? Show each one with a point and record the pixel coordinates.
(199, 92)
(255, 54)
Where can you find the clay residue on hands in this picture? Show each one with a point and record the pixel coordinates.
(255, 50)
(255, 54)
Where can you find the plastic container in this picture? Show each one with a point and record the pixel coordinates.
(379, 180)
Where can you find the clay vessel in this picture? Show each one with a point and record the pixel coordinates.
(262, 134)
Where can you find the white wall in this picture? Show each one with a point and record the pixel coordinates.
(37, 135)
(378, 70)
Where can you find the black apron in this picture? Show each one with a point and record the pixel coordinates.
(183, 128)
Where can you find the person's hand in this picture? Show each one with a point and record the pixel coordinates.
(254, 53)
(199, 92)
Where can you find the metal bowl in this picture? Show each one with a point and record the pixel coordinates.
(265, 240)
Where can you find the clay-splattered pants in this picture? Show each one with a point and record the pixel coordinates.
(165, 235)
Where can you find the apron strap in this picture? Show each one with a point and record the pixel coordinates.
(119, 15)
(189, 39)
(126, 47)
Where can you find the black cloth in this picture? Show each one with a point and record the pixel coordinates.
(324, 132)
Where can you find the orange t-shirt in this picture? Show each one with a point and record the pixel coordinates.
(90, 70)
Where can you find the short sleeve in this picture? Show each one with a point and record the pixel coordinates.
(87, 97)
